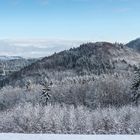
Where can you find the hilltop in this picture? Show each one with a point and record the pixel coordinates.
(134, 44)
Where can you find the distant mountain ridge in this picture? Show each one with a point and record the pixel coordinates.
(10, 57)
(11, 64)
(134, 44)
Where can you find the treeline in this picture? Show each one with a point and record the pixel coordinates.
(66, 119)
(90, 91)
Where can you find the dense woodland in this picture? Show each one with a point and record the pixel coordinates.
(92, 89)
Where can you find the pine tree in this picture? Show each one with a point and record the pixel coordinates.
(28, 85)
(46, 91)
(136, 87)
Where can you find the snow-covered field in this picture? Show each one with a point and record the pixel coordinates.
(66, 137)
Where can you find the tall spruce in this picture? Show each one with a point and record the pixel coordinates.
(136, 87)
(28, 85)
(46, 91)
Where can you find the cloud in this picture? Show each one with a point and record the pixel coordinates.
(34, 48)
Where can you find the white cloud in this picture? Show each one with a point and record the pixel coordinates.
(35, 48)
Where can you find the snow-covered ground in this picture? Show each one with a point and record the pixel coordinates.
(66, 137)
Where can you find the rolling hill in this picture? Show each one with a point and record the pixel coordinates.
(134, 44)
(11, 64)
(90, 58)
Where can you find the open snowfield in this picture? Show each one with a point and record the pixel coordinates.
(66, 137)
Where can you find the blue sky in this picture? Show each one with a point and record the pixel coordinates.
(95, 20)
(36, 28)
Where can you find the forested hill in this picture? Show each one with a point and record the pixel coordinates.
(96, 58)
(134, 44)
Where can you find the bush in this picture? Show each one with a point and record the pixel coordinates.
(10, 96)
(93, 91)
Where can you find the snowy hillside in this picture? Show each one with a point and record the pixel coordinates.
(90, 58)
(92, 89)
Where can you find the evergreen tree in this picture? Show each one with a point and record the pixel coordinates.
(28, 85)
(136, 87)
(45, 95)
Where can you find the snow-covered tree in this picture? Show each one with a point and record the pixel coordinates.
(28, 85)
(45, 95)
(136, 87)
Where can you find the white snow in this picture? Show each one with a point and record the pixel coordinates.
(66, 137)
